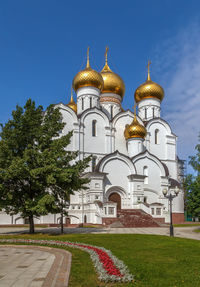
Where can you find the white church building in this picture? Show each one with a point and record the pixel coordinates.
(134, 157)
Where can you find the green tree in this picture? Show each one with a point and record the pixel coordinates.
(192, 186)
(34, 163)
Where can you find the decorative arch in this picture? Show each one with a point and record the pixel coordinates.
(116, 155)
(115, 189)
(95, 111)
(161, 122)
(18, 219)
(146, 154)
(68, 110)
(125, 114)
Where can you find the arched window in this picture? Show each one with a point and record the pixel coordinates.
(82, 103)
(94, 160)
(94, 132)
(111, 112)
(90, 102)
(145, 172)
(145, 113)
(156, 136)
(153, 112)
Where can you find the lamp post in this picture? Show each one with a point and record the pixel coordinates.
(170, 197)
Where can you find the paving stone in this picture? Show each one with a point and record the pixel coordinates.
(34, 266)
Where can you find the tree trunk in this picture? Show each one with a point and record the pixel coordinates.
(61, 223)
(31, 225)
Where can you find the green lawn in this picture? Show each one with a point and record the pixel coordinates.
(186, 225)
(154, 260)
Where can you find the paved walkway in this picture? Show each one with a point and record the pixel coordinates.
(185, 232)
(32, 266)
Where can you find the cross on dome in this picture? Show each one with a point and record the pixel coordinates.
(88, 57)
(148, 67)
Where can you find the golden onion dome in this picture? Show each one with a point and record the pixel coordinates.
(149, 89)
(72, 104)
(88, 77)
(113, 83)
(135, 130)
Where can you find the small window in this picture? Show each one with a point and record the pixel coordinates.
(82, 103)
(94, 159)
(152, 211)
(145, 113)
(158, 211)
(96, 197)
(111, 210)
(156, 136)
(90, 102)
(105, 210)
(153, 112)
(111, 112)
(139, 147)
(94, 128)
(145, 172)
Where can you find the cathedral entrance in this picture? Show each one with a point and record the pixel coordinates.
(115, 197)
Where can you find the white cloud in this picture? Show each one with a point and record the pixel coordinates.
(177, 65)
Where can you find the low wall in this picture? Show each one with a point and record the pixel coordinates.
(178, 218)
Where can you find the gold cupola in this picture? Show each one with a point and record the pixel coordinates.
(135, 129)
(88, 77)
(113, 83)
(149, 89)
(72, 104)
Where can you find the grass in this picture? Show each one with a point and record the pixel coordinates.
(154, 260)
(186, 225)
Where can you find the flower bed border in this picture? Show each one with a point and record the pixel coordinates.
(108, 266)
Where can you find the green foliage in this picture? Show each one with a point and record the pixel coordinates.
(192, 186)
(37, 173)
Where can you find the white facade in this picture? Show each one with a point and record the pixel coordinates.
(135, 171)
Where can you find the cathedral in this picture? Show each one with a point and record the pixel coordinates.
(134, 156)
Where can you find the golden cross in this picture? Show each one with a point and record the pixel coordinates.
(148, 66)
(106, 54)
(88, 57)
(134, 107)
(71, 95)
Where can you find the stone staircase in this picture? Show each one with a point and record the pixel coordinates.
(131, 218)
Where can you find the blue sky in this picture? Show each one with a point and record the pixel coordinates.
(43, 45)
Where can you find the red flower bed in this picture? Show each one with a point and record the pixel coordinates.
(105, 260)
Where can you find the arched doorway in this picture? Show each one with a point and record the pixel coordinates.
(115, 197)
